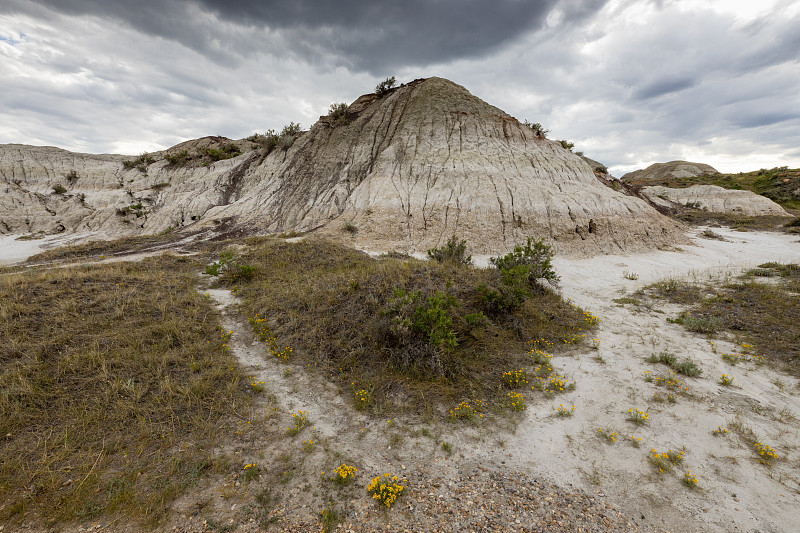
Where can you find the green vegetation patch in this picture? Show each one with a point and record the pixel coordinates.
(115, 382)
(413, 333)
(761, 307)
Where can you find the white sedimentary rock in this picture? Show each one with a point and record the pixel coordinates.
(716, 200)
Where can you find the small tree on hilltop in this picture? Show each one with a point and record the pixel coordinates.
(385, 86)
(537, 128)
(338, 113)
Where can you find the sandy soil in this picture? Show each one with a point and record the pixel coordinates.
(736, 492)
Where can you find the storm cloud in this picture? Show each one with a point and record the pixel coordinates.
(631, 82)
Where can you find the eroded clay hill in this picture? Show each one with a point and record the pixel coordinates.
(403, 171)
(665, 171)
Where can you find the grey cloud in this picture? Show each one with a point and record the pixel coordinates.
(662, 87)
(362, 34)
(758, 119)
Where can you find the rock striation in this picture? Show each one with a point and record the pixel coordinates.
(401, 171)
(715, 199)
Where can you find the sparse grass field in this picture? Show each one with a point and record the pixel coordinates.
(416, 334)
(115, 386)
(765, 314)
(97, 248)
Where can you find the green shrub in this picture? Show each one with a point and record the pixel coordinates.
(536, 255)
(427, 317)
(59, 189)
(288, 135)
(537, 128)
(178, 158)
(338, 113)
(454, 252)
(687, 367)
(567, 145)
(139, 163)
(226, 151)
(700, 324)
(385, 86)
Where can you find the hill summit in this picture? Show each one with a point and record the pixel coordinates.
(401, 171)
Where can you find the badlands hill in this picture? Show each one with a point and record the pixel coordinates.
(676, 184)
(671, 169)
(404, 170)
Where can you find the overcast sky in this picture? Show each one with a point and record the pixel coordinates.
(630, 82)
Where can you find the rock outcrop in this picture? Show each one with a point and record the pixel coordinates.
(658, 172)
(403, 171)
(715, 199)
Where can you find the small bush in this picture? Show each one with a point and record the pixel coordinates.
(178, 158)
(664, 461)
(700, 324)
(453, 251)
(338, 113)
(537, 128)
(59, 189)
(536, 258)
(226, 151)
(638, 417)
(350, 228)
(71, 176)
(428, 318)
(567, 145)
(139, 163)
(385, 86)
(687, 367)
(288, 135)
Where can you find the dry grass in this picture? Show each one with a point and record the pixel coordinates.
(765, 314)
(736, 221)
(330, 304)
(126, 245)
(114, 386)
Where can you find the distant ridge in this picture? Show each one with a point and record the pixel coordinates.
(671, 169)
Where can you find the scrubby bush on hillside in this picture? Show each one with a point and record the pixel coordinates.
(520, 271)
(226, 151)
(536, 257)
(537, 128)
(385, 86)
(453, 251)
(338, 113)
(567, 145)
(272, 139)
(178, 158)
(139, 163)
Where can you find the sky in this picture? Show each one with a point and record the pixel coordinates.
(630, 82)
